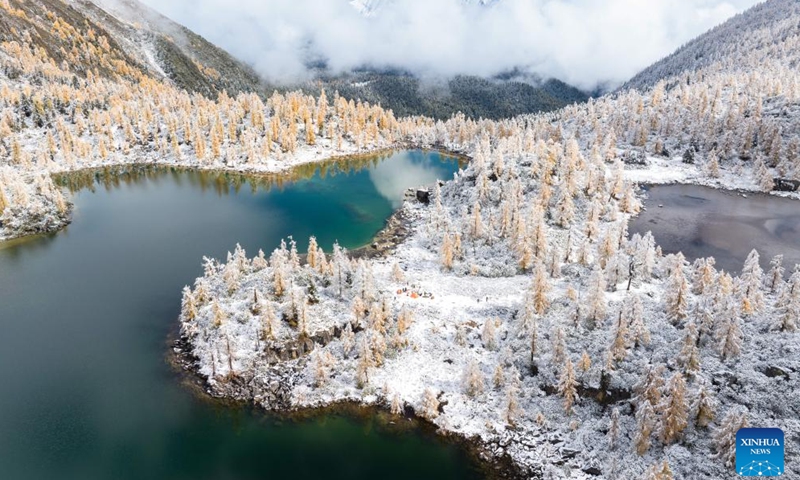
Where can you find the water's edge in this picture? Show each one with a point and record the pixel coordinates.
(66, 219)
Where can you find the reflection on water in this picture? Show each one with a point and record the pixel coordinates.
(85, 313)
(391, 173)
(407, 170)
(702, 222)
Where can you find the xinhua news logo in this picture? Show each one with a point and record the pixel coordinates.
(759, 452)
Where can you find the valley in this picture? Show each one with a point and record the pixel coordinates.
(527, 310)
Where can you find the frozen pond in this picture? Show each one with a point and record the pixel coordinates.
(702, 222)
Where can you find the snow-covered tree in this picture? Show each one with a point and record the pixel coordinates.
(751, 283)
(489, 334)
(341, 268)
(776, 273)
(585, 362)
(645, 424)
(219, 315)
(724, 435)
(597, 298)
(704, 275)
(365, 362)
(613, 429)
(728, 333)
(473, 379)
(674, 410)
(567, 386)
(397, 405)
(540, 286)
(269, 322)
(618, 349)
(659, 471)
(447, 252)
(677, 297)
(348, 339)
(559, 346)
(498, 377)
(689, 357)
(704, 406)
(397, 273)
(512, 408)
(787, 306)
(430, 404)
(638, 331)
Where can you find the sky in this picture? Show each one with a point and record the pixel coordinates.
(586, 43)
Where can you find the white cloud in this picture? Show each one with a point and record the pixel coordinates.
(583, 42)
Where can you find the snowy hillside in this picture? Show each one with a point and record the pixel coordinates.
(518, 312)
(521, 314)
(730, 45)
(137, 36)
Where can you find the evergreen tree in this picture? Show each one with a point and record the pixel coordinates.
(397, 273)
(269, 322)
(645, 424)
(674, 410)
(430, 404)
(498, 378)
(472, 379)
(397, 405)
(751, 281)
(512, 408)
(613, 429)
(348, 339)
(724, 436)
(704, 406)
(597, 297)
(447, 252)
(689, 358)
(559, 345)
(659, 471)
(728, 334)
(585, 362)
(539, 288)
(567, 386)
(639, 333)
(677, 293)
(489, 334)
(776, 273)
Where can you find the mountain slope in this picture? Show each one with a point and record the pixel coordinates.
(765, 24)
(137, 37)
(186, 58)
(476, 97)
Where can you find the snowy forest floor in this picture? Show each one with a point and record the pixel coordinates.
(450, 318)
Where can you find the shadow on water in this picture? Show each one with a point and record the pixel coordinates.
(86, 392)
(702, 222)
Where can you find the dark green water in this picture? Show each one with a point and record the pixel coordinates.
(85, 389)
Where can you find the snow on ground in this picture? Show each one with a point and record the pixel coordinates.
(469, 322)
(660, 170)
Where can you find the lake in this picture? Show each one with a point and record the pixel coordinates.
(87, 391)
(702, 221)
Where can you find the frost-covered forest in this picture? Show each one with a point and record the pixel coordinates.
(519, 311)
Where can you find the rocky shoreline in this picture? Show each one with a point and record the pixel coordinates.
(273, 394)
(272, 389)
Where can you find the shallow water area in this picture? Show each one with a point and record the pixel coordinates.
(702, 221)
